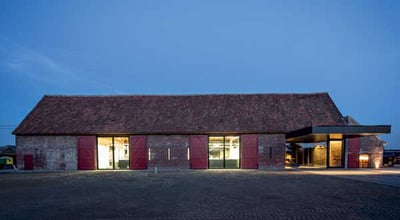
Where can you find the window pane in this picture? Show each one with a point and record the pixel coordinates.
(105, 152)
(319, 155)
(335, 154)
(232, 150)
(216, 152)
(121, 153)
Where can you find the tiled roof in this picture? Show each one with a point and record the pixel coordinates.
(179, 114)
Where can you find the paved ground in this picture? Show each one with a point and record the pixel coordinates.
(211, 194)
(386, 176)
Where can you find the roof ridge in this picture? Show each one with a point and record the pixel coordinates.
(191, 95)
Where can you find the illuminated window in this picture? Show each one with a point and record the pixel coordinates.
(335, 153)
(149, 152)
(318, 155)
(224, 152)
(113, 152)
(364, 161)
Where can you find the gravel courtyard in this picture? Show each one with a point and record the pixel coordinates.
(208, 194)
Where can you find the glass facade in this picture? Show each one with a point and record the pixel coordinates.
(335, 153)
(224, 152)
(323, 154)
(318, 155)
(306, 154)
(113, 152)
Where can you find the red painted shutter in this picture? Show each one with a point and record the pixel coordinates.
(354, 153)
(249, 151)
(138, 152)
(198, 152)
(28, 162)
(86, 153)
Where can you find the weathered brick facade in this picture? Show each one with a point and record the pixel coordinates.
(49, 152)
(60, 152)
(374, 147)
(271, 150)
(162, 128)
(177, 145)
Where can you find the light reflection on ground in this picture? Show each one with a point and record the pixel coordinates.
(384, 176)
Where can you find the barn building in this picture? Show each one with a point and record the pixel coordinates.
(234, 131)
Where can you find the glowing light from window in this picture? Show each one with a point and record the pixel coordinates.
(149, 154)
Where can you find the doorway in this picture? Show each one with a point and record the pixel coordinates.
(113, 153)
(224, 152)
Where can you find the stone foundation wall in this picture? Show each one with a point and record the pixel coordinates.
(159, 144)
(49, 152)
(271, 150)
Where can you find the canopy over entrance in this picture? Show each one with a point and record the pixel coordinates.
(316, 134)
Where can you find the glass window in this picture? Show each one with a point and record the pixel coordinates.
(121, 153)
(319, 154)
(232, 152)
(105, 152)
(364, 161)
(335, 153)
(306, 154)
(224, 152)
(113, 152)
(216, 152)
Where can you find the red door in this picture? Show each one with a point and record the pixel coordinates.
(354, 153)
(249, 153)
(86, 153)
(28, 162)
(198, 152)
(138, 152)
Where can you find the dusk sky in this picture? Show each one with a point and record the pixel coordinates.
(350, 49)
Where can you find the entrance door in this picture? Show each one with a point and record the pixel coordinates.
(224, 152)
(113, 152)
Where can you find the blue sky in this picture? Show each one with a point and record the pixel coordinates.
(350, 49)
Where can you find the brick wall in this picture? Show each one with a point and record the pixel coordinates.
(373, 146)
(271, 150)
(159, 144)
(60, 152)
(49, 152)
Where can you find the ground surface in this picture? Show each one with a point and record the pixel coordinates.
(210, 194)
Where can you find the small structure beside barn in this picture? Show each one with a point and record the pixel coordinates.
(7, 157)
(235, 131)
